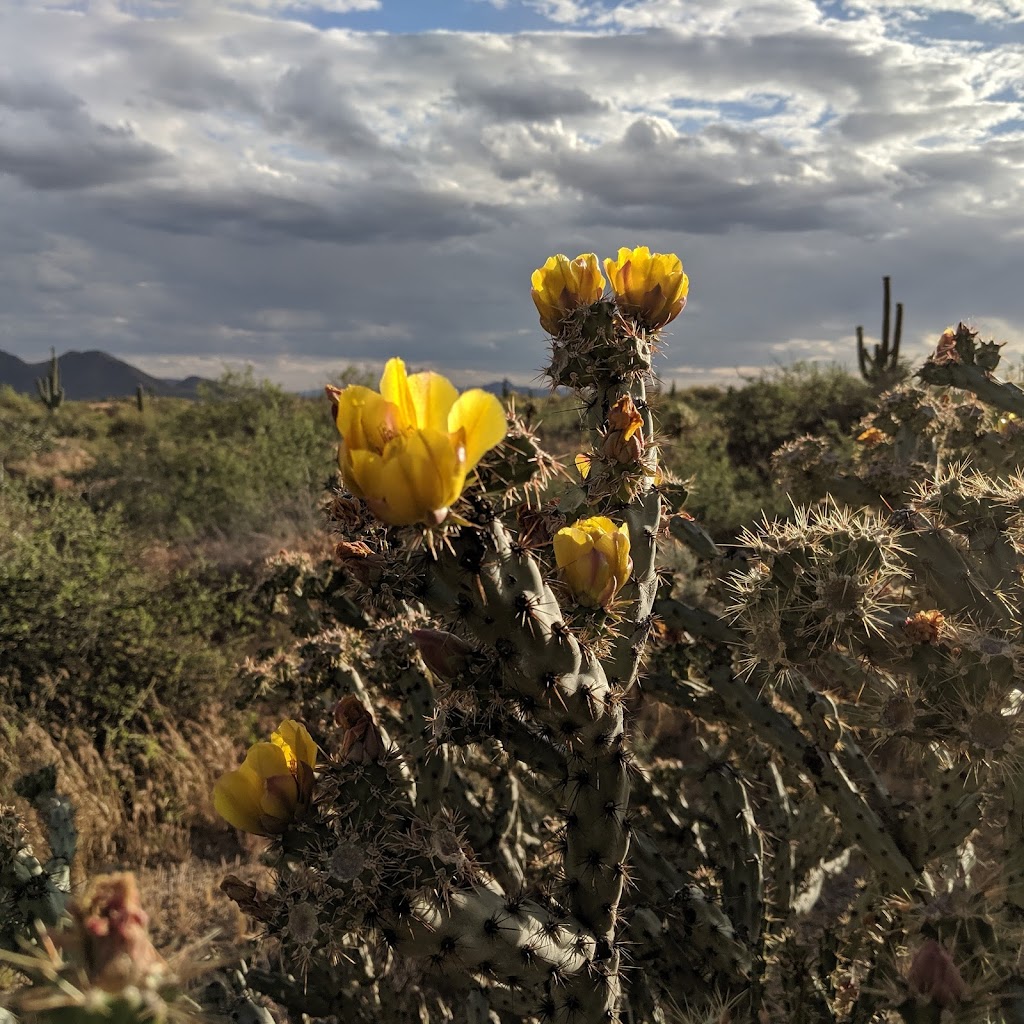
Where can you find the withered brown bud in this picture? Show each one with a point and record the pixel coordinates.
(360, 560)
(332, 394)
(445, 654)
(924, 627)
(624, 441)
(362, 742)
(934, 976)
(257, 904)
(945, 351)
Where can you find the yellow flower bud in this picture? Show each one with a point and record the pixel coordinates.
(650, 287)
(407, 450)
(273, 785)
(593, 555)
(562, 285)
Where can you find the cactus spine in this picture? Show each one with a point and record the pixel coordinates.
(51, 394)
(881, 368)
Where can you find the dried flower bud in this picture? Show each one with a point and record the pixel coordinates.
(924, 627)
(445, 654)
(361, 561)
(934, 976)
(362, 742)
(945, 351)
(871, 438)
(624, 441)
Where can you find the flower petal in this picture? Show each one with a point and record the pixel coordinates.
(296, 742)
(236, 798)
(482, 418)
(394, 387)
(416, 479)
(265, 760)
(364, 418)
(432, 397)
(280, 798)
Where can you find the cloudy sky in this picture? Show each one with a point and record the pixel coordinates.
(304, 184)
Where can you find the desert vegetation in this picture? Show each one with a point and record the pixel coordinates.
(631, 703)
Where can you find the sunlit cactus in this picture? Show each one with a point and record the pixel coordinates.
(802, 800)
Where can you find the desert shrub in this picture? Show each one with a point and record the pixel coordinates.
(87, 630)
(244, 458)
(724, 494)
(784, 404)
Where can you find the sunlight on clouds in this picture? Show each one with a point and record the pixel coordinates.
(982, 10)
(246, 159)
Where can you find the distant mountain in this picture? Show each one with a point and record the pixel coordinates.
(92, 376)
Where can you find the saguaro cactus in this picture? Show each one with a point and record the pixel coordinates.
(881, 368)
(49, 387)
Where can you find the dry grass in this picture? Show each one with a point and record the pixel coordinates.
(147, 807)
(185, 903)
(60, 465)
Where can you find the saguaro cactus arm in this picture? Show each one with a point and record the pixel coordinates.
(49, 387)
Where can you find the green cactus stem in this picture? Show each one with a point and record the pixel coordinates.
(51, 394)
(881, 368)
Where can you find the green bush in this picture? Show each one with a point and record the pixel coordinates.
(244, 458)
(786, 403)
(88, 630)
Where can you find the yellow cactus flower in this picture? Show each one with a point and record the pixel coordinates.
(650, 287)
(593, 555)
(562, 285)
(273, 785)
(406, 450)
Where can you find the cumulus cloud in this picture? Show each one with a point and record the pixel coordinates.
(255, 181)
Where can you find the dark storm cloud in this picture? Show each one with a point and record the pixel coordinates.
(262, 190)
(518, 100)
(352, 216)
(79, 154)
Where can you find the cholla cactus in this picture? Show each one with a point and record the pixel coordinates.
(873, 655)
(508, 883)
(102, 967)
(829, 822)
(32, 890)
